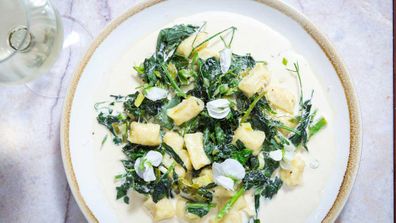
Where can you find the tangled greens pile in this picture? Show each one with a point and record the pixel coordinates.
(206, 127)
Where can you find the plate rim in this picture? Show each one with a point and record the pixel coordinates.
(284, 8)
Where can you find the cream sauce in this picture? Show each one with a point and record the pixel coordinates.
(290, 204)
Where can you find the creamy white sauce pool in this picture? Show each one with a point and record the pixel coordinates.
(289, 205)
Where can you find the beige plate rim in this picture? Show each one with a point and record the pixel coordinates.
(323, 42)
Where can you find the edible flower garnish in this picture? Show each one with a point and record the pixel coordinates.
(144, 165)
(218, 108)
(276, 155)
(227, 173)
(225, 59)
(156, 93)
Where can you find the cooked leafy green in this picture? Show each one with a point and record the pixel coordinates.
(181, 77)
(242, 63)
(174, 155)
(195, 194)
(300, 137)
(199, 209)
(162, 118)
(162, 187)
(316, 127)
(146, 109)
(169, 38)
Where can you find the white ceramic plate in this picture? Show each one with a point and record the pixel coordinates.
(76, 133)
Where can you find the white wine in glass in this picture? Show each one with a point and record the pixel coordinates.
(31, 37)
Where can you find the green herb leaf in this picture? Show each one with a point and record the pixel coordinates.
(174, 155)
(199, 209)
(251, 107)
(230, 203)
(316, 127)
(241, 63)
(284, 61)
(300, 137)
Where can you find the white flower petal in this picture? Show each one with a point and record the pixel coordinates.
(156, 93)
(225, 59)
(219, 108)
(145, 170)
(276, 155)
(233, 169)
(217, 170)
(154, 158)
(149, 175)
(226, 182)
(139, 171)
(227, 172)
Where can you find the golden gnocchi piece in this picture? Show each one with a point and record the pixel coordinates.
(186, 110)
(207, 172)
(186, 46)
(174, 140)
(293, 176)
(167, 160)
(221, 192)
(163, 209)
(282, 99)
(183, 154)
(202, 181)
(180, 171)
(252, 139)
(194, 145)
(145, 134)
(205, 177)
(256, 80)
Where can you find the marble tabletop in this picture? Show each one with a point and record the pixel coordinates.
(33, 186)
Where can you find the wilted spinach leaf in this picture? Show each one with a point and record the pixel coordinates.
(241, 63)
(199, 209)
(169, 38)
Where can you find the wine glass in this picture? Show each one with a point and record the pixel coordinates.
(36, 41)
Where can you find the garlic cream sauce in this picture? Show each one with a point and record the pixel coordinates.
(264, 44)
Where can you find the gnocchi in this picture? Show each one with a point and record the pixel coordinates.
(186, 110)
(145, 134)
(174, 140)
(282, 99)
(194, 145)
(256, 80)
(163, 209)
(252, 139)
(186, 46)
(293, 176)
